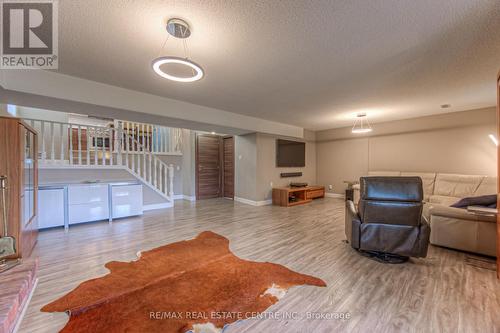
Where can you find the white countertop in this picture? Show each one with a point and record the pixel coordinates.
(42, 186)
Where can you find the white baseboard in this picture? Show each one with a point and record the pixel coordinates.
(252, 202)
(157, 206)
(25, 307)
(184, 197)
(334, 195)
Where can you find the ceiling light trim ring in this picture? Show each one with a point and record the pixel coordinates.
(361, 125)
(158, 62)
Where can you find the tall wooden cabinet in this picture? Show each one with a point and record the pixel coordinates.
(18, 161)
(498, 166)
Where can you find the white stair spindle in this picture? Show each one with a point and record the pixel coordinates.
(127, 143)
(96, 153)
(87, 136)
(150, 168)
(70, 134)
(165, 171)
(103, 150)
(119, 142)
(163, 139)
(52, 144)
(171, 182)
(79, 145)
(155, 170)
(42, 135)
(133, 151)
(111, 145)
(61, 137)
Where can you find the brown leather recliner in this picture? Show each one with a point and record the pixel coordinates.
(388, 224)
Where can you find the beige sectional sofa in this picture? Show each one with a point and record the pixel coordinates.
(454, 227)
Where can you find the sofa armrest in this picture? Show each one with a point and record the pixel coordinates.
(459, 213)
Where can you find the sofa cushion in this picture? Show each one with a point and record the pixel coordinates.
(443, 200)
(428, 181)
(482, 200)
(487, 186)
(461, 214)
(458, 186)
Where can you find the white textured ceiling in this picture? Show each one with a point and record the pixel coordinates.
(308, 63)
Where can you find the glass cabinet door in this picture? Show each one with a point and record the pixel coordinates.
(29, 176)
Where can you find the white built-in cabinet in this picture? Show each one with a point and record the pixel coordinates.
(87, 203)
(126, 200)
(78, 203)
(51, 207)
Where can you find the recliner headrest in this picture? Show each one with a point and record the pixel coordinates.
(392, 189)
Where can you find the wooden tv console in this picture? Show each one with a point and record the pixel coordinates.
(292, 196)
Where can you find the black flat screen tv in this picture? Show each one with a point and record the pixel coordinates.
(290, 153)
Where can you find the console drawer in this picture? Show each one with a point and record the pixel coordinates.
(315, 194)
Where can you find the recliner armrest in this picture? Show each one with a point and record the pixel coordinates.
(352, 224)
(351, 210)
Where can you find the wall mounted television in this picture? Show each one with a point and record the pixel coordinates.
(290, 153)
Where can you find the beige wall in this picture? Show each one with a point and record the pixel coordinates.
(451, 143)
(188, 163)
(255, 166)
(245, 166)
(268, 175)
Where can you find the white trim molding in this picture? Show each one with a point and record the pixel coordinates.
(334, 195)
(252, 202)
(157, 206)
(184, 197)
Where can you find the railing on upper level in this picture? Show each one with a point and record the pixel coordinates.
(81, 145)
(157, 139)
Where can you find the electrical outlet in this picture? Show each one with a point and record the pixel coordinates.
(330, 187)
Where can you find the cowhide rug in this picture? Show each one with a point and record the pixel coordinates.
(186, 286)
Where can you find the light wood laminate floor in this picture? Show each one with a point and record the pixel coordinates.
(437, 294)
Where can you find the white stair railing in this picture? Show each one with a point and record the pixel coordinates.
(157, 139)
(85, 146)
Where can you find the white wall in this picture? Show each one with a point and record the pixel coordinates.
(451, 143)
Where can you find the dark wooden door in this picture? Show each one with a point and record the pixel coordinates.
(228, 160)
(208, 166)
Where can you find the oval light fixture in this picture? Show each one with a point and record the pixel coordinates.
(158, 62)
(178, 28)
(361, 125)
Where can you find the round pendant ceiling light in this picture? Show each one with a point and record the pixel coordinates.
(361, 125)
(179, 29)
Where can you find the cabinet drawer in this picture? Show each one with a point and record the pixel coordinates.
(50, 208)
(126, 200)
(84, 194)
(315, 194)
(94, 211)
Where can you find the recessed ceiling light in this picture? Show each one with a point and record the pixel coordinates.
(361, 125)
(213, 133)
(445, 106)
(179, 29)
